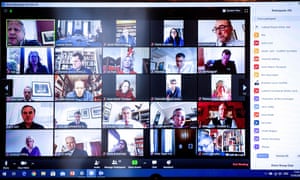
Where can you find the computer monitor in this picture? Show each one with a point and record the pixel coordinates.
(149, 89)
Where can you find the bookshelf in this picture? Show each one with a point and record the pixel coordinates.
(63, 58)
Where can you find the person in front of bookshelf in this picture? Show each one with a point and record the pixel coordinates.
(181, 65)
(121, 147)
(127, 121)
(34, 64)
(224, 65)
(178, 118)
(78, 65)
(222, 120)
(174, 38)
(28, 115)
(16, 34)
(30, 149)
(125, 91)
(77, 123)
(225, 34)
(79, 92)
(126, 66)
(173, 91)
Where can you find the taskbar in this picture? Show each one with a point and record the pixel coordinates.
(147, 173)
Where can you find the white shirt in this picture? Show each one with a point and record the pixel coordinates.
(131, 123)
(187, 68)
(232, 42)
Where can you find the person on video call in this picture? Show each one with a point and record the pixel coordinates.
(34, 64)
(225, 34)
(221, 92)
(174, 38)
(126, 119)
(99, 35)
(125, 91)
(222, 121)
(77, 123)
(181, 66)
(79, 92)
(173, 91)
(27, 92)
(30, 149)
(121, 147)
(127, 66)
(178, 118)
(71, 149)
(28, 115)
(224, 65)
(77, 65)
(126, 38)
(16, 34)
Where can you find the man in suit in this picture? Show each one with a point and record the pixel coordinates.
(16, 34)
(27, 92)
(77, 123)
(222, 121)
(225, 34)
(71, 148)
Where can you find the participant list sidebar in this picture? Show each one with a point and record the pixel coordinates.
(275, 86)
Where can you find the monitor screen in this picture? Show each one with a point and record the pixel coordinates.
(149, 90)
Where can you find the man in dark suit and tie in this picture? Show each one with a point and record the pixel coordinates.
(71, 148)
(27, 92)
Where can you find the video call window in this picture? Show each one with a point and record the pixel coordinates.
(173, 87)
(126, 114)
(79, 116)
(78, 60)
(79, 33)
(31, 88)
(227, 114)
(120, 60)
(221, 60)
(39, 140)
(30, 32)
(221, 32)
(126, 32)
(126, 87)
(173, 60)
(170, 142)
(221, 87)
(30, 60)
(162, 142)
(221, 142)
(173, 33)
(83, 143)
(173, 115)
(29, 115)
(78, 87)
(124, 142)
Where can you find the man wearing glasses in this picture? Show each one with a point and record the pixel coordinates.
(225, 33)
(181, 66)
(173, 91)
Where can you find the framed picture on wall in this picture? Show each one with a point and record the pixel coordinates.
(48, 37)
(41, 89)
(85, 113)
(96, 112)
